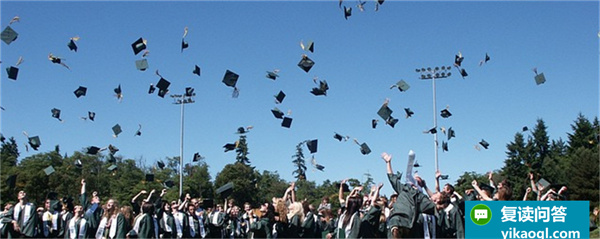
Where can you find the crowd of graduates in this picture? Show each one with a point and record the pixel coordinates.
(413, 211)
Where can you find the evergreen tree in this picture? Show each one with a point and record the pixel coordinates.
(242, 151)
(514, 169)
(244, 179)
(269, 185)
(584, 134)
(583, 174)
(541, 142)
(300, 172)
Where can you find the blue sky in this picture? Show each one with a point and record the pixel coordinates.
(359, 58)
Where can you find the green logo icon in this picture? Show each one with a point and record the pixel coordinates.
(481, 214)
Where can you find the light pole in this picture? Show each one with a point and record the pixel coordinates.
(186, 98)
(434, 73)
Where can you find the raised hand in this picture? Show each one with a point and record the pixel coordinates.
(386, 157)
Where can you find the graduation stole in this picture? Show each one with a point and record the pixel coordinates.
(27, 213)
(166, 221)
(112, 232)
(192, 225)
(138, 219)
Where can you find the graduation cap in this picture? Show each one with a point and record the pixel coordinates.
(197, 70)
(445, 113)
(142, 64)
(12, 72)
(160, 164)
(385, 112)
(81, 91)
(11, 181)
(409, 112)
(184, 44)
(391, 121)
(149, 177)
(322, 90)
(49, 170)
(364, 149)
(402, 86)
(312, 145)
(374, 123)
(225, 190)
(72, 46)
(279, 97)
(310, 46)
(416, 164)
(339, 137)
(431, 131)
(444, 146)
(319, 167)
(112, 167)
(451, 133)
(277, 113)
(272, 74)
(485, 60)
(93, 150)
(139, 131)
(540, 79)
(113, 149)
(444, 177)
(230, 78)
(189, 92)
(208, 203)
(163, 87)
(458, 59)
(8, 35)
(228, 147)
(116, 130)
(91, 115)
(347, 12)
(287, 122)
(169, 184)
(138, 46)
(306, 63)
(525, 128)
(56, 113)
(242, 130)
(543, 182)
(151, 89)
(111, 158)
(486, 187)
(57, 60)
(197, 157)
(345, 187)
(118, 92)
(35, 142)
(484, 144)
(78, 163)
(463, 73)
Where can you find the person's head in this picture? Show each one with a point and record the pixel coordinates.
(326, 215)
(295, 208)
(219, 207)
(40, 211)
(148, 208)
(325, 200)
(230, 202)
(354, 205)
(442, 200)
(78, 210)
(393, 199)
(47, 204)
(8, 206)
(22, 196)
(503, 194)
(191, 209)
(449, 189)
(127, 212)
(247, 207)
(112, 207)
(194, 201)
(174, 206)
(306, 206)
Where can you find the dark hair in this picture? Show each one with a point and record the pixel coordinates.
(450, 186)
(270, 213)
(148, 207)
(444, 198)
(306, 207)
(504, 193)
(354, 205)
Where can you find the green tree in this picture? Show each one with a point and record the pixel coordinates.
(541, 142)
(584, 134)
(242, 150)
(299, 162)
(244, 179)
(584, 173)
(269, 185)
(8, 166)
(463, 182)
(514, 169)
(197, 180)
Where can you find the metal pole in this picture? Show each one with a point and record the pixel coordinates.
(181, 153)
(435, 139)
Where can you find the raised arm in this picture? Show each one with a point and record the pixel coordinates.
(422, 184)
(341, 191)
(545, 197)
(293, 192)
(491, 178)
(388, 162)
(438, 174)
(134, 199)
(533, 187)
(149, 196)
(481, 194)
(526, 193)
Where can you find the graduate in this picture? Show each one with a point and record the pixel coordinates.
(92, 210)
(6, 222)
(165, 217)
(409, 204)
(309, 224)
(25, 219)
(66, 215)
(261, 224)
(144, 224)
(112, 224)
(178, 216)
(295, 217)
(77, 226)
(191, 224)
(216, 222)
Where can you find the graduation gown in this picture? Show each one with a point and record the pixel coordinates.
(369, 225)
(76, 228)
(409, 205)
(293, 227)
(215, 221)
(27, 218)
(6, 227)
(262, 228)
(65, 217)
(145, 226)
(92, 214)
(191, 226)
(308, 229)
